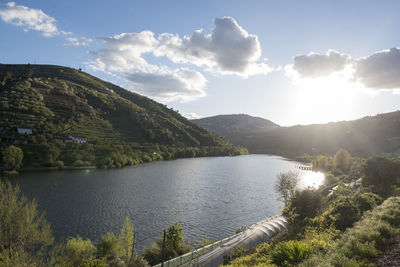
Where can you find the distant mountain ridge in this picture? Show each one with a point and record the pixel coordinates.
(55, 102)
(228, 125)
(370, 135)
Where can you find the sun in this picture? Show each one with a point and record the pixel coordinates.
(325, 99)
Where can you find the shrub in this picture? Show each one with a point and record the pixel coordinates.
(382, 175)
(78, 250)
(12, 158)
(290, 253)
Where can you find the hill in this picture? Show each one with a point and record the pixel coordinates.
(366, 136)
(67, 115)
(236, 124)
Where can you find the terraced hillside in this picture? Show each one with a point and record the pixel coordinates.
(119, 127)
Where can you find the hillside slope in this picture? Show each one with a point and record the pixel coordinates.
(236, 124)
(56, 102)
(366, 136)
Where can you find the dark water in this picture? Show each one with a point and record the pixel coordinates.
(209, 197)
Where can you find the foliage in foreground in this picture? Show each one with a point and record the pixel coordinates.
(174, 245)
(25, 234)
(27, 240)
(360, 245)
(357, 246)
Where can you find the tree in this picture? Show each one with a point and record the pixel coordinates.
(174, 245)
(342, 159)
(25, 236)
(126, 240)
(79, 250)
(286, 184)
(322, 162)
(12, 158)
(382, 175)
(107, 244)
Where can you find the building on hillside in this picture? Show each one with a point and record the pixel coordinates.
(78, 139)
(24, 131)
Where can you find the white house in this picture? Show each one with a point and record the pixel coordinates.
(79, 140)
(24, 131)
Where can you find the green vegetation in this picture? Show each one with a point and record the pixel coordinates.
(27, 240)
(286, 185)
(350, 225)
(382, 175)
(174, 246)
(25, 234)
(120, 128)
(341, 160)
(12, 158)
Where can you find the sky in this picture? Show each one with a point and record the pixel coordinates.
(292, 62)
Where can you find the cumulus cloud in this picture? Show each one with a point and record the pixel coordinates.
(181, 84)
(124, 52)
(78, 41)
(317, 65)
(29, 19)
(380, 70)
(228, 49)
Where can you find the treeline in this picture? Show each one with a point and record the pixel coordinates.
(349, 225)
(27, 240)
(40, 153)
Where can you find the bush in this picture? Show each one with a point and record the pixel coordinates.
(12, 158)
(381, 175)
(347, 209)
(78, 250)
(26, 235)
(361, 244)
(290, 253)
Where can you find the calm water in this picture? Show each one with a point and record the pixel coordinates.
(209, 197)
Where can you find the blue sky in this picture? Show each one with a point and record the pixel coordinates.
(293, 62)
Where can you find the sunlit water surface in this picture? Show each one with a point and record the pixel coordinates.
(209, 197)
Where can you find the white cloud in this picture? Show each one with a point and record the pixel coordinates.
(316, 65)
(29, 19)
(36, 19)
(229, 49)
(380, 70)
(78, 41)
(191, 115)
(123, 52)
(169, 85)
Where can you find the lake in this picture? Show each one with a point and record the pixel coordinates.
(209, 197)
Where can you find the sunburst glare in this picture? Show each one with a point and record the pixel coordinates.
(311, 178)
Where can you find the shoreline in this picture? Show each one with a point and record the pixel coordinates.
(64, 168)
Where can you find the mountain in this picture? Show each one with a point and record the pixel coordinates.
(236, 124)
(366, 136)
(116, 127)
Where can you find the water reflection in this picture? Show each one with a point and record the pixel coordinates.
(311, 178)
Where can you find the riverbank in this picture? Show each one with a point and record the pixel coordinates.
(63, 168)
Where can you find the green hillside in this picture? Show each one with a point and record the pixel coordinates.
(120, 127)
(363, 137)
(233, 125)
